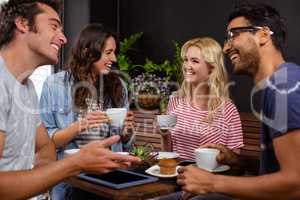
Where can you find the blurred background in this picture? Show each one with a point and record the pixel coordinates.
(164, 21)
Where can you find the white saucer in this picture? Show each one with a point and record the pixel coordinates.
(220, 168)
(155, 171)
(69, 152)
(124, 153)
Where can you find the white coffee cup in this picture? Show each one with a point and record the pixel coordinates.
(166, 121)
(117, 116)
(206, 158)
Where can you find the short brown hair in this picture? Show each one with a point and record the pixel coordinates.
(27, 9)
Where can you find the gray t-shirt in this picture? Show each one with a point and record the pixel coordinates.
(19, 119)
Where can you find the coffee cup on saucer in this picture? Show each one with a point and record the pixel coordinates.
(206, 158)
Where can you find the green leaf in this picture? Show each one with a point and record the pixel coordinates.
(127, 43)
(124, 61)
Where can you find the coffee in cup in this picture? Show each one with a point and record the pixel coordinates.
(167, 166)
(206, 158)
(167, 162)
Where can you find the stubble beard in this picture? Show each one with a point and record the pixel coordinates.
(249, 62)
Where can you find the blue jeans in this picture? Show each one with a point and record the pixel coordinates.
(211, 196)
(61, 191)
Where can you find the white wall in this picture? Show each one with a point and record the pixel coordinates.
(1, 1)
(39, 76)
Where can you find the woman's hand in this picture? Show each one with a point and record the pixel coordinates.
(92, 120)
(128, 126)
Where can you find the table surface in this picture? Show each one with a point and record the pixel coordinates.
(162, 187)
(139, 192)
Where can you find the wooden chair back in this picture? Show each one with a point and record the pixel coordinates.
(145, 128)
(251, 132)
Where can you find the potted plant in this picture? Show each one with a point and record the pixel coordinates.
(149, 90)
(151, 87)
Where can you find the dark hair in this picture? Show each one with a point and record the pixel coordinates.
(260, 14)
(27, 9)
(87, 50)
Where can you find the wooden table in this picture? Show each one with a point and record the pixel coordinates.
(162, 187)
(145, 191)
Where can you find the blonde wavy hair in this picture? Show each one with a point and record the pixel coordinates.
(217, 82)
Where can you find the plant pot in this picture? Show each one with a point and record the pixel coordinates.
(149, 101)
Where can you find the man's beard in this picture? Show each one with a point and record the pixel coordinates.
(249, 62)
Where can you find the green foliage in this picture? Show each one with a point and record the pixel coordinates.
(164, 105)
(171, 70)
(177, 63)
(142, 151)
(126, 45)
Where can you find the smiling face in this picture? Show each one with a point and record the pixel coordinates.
(47, 37)
(195, 69)
(108, 57)
(242, 48)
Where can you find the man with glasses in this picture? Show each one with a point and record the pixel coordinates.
(235, 32)
(254, 44)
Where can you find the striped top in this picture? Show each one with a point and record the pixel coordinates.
(192, 128)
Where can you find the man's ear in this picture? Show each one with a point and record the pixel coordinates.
(265, 36)
(21, 24)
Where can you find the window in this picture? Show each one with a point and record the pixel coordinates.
(39, 76)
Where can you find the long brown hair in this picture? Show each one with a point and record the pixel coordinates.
(87, 50)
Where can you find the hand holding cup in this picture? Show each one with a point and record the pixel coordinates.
(129, 127)
(206, 158)
(92, 120)
(166, 122)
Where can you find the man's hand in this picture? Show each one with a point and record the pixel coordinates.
(95, 157)
(195, 180)
(226, 155)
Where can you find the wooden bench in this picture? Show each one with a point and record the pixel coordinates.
(145, 128)
(251, 151)
(146, 132)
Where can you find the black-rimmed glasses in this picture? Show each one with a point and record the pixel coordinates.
(234, 32)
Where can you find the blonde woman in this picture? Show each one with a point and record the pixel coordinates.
(205, 113)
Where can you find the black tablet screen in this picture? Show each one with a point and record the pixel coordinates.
(117, 177)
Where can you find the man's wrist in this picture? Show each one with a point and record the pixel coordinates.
(217, 183)
(72, 168)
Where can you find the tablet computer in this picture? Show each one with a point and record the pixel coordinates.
(118, 179)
